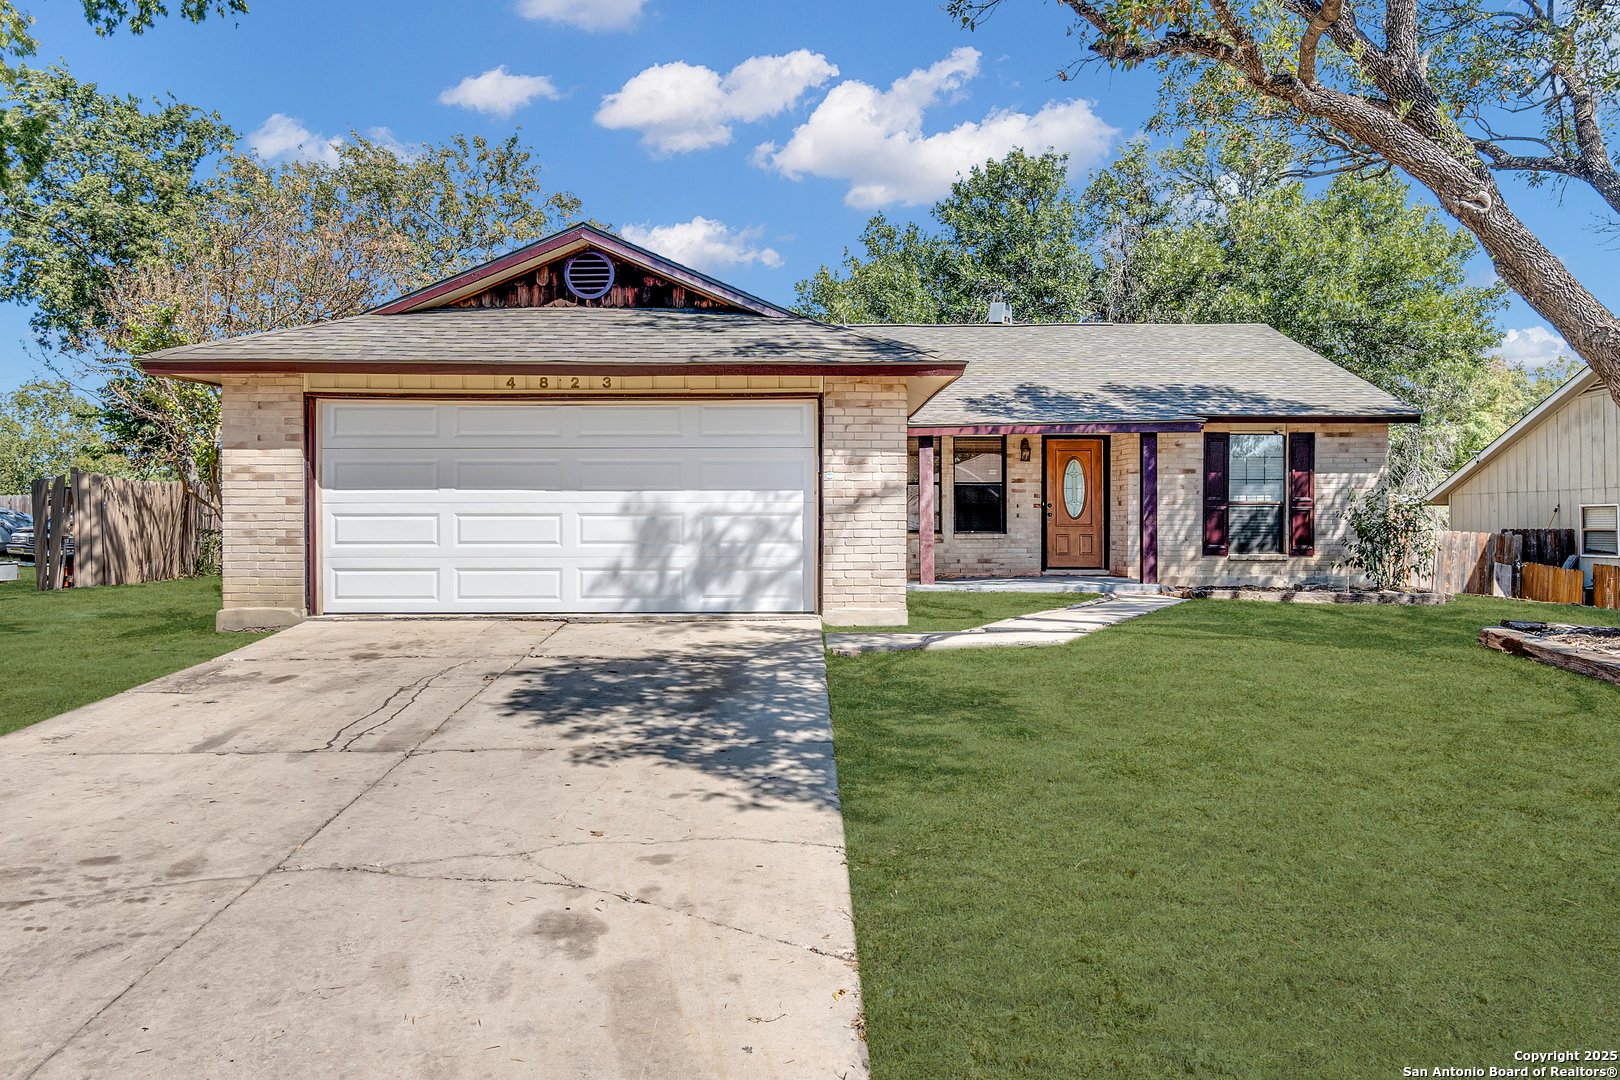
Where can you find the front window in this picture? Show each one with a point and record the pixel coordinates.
(1257, 480)
(979, 478)
(1598, 530)
(913, 501)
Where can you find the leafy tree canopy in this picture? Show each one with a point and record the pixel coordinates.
(1008, 230)
(24, 133)
(45, 429)
(1452, 92)
(270, 247)
(1218, 233)
(119, 182)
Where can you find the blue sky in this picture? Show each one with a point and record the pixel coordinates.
(751, 139)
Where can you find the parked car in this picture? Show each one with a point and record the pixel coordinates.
(21, 544)
(10, 522)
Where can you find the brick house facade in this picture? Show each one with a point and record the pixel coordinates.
(584, 426)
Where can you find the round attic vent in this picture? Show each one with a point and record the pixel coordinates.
(589, 275)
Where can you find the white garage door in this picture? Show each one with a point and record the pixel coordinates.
(438, 507)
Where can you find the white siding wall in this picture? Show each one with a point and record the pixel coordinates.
(1570, 458)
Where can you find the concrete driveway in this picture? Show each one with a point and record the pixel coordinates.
(418, 848)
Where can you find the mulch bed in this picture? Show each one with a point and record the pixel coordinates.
(1314, 595)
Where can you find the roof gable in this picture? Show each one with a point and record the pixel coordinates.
(1581, 383)
(532, 276)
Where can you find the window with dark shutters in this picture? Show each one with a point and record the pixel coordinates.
(1216, 491)
(1302, 493)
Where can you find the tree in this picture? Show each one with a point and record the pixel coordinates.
(270, 248)
(45, 428)
(1428, 96)
(1009, 230)
(25, 143)
(120, 181)
(1353, 272)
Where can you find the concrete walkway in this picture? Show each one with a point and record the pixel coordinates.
(1056, 627)
(1057, 583)
(433, 849)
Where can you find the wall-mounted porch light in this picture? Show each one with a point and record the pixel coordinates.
(1023, 450)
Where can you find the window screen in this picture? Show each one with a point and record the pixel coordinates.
(1256, 500)
(912, 498)
(1598, 535)
(979, 476)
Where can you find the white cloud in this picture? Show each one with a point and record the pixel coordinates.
(385, 138)
(496, 91)
(679, 108)
(874, 139)
(1533, 346)
(283, 136)
(704, 244)
(584, 14)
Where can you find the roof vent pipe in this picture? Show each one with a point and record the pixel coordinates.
(1000, 312)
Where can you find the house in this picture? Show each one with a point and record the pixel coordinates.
(584, 426)
(1557, 468)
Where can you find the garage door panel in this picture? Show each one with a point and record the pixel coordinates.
(631, 530)
(368, 473)
(384, 584)
(509, 530)
(512, 584)
(519, 472)
(354, 530)
(483, 422)
(366, 423)
(632, 421)
(725, 529)
(488, 520)
(775, 422)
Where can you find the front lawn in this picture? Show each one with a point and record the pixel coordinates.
(60, 650)
(1233, 839)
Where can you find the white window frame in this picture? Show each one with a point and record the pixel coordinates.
(1585, 554)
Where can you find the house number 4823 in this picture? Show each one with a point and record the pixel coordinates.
(569, 382)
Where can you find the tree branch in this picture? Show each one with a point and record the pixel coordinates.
(1325, 16)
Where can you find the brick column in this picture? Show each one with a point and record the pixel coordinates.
(262, 494)
(863, 494)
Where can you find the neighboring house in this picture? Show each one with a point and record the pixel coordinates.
(1557, 468)
(582, 425)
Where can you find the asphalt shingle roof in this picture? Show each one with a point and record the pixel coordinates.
(605, 336)
(1124, 373)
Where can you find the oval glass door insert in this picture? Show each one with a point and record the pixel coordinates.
(1074, 488)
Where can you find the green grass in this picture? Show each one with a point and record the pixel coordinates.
(60, 650)
(932, 612)
(1233, 839)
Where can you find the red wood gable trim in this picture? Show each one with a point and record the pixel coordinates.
(568, 242)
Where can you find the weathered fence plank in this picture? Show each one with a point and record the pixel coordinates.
(1553, 584)
(1605, 586)
(124, 531)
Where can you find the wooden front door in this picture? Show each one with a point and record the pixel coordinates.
(1076, 501)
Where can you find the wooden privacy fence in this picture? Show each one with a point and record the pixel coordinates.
(23, 504)
(1553, 584)
(124, 531)
(1606, 586)
(1523, 563)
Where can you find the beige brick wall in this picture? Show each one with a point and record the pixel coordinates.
(863, 570)
(262, 489)
(1349, 457)
(1015, 553)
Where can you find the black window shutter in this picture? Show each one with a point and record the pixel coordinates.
(1302, 493)
(1216, 491)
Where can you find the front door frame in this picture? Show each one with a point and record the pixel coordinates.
(1108, 501)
